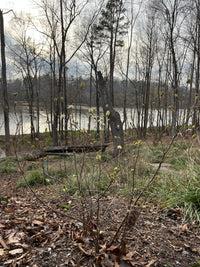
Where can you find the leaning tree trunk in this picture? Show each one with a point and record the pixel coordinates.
(113, 116)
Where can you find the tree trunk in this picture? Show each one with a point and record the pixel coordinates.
(4, 86)
(113, 116)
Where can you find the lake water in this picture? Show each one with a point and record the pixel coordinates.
(22, 114)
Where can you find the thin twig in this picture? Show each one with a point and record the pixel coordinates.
(142, 192)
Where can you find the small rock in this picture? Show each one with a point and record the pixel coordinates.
(185, 252)
(2, 153)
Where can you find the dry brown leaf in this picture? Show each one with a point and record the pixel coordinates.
(23, 245)
(184, 228)
(37, 222)
(118, 250)
(79, 238)
(133, 216)
(195, 250)
(12, 238)
(10, 209)
(129, 256)
(106, 262)
(125, 264)
(2, 225)
(8, 262)
(186, 245)
(15, 237)
(2, 242)
(2, 252)
(133, 263)
(66, 262)
(150, 263)
(16, 251)
(123, 248)
(24, 211)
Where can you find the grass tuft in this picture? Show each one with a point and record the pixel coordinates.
(33, 179)
(8, 165)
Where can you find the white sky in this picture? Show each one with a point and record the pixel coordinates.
(16, 5)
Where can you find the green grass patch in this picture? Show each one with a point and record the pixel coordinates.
(85, 175)
(32, 179)
(8, 165)
(33, 166)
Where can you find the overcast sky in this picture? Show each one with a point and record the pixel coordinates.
(16, 5)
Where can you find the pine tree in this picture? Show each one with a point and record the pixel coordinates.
(111, 27)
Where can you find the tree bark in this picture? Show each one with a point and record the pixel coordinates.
(4, 87)
(113, 116)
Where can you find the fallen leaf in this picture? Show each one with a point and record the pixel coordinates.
(184, 228)
(2, 242)
(151, 263)
(106, 262)
(16, 251)
(118, 250)
(2, 225)
(123, 248)
(10, 209)
(129, 256)
(24, 211)
(37, 222)
(8, 262)
(23, 245)
(133, 216)
(125, 264)
(134, 263)
(2, 252)
(186, 245)
(15, 237)
(195, 250)
(79, 238)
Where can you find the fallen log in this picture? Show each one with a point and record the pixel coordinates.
(77, 149)
(58, 154)
(64, 151)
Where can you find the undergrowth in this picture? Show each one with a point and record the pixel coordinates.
(83, 175)
(8, 165)
(165, 174)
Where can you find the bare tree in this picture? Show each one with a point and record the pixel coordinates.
(148, 52)
(171, 12)
(61, 17)
(26, 53)
(111, 27)
(92, 52)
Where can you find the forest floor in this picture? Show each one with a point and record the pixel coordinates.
(32, 234)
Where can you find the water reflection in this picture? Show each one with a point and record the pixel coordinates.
(20, 119)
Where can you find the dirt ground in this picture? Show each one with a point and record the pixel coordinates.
(32, 234)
